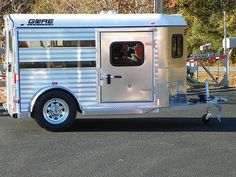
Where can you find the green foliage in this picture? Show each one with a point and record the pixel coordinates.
(205, 20)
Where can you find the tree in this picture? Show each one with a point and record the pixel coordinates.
(204, 17)
(205, 20)
(92, 6)
(14, 6)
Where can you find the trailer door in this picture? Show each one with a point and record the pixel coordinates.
(10, 69)
(126, 67)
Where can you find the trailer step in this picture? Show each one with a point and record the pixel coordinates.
(117, 110)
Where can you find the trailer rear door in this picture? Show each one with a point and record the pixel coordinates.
(127, 67)
(10, 70)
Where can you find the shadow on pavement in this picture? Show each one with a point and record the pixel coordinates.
(153, 125)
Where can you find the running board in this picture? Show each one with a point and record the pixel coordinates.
(117, 110)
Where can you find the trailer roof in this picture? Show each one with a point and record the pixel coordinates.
(96, 20)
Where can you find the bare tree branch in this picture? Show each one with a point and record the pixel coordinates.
(4, 3)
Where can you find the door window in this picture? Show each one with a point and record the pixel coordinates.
(177, 46)
(10, 41)
(127, 53)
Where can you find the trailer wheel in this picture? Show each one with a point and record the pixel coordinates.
(206, 119)
(55, 110)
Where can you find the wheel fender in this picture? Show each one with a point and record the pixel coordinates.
(42, 91)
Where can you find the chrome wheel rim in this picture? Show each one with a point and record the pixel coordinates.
(55, 111)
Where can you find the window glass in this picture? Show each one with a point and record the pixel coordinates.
(72, 64)
(177, 46)
(58, 43)
(10, 42)
(127, 53)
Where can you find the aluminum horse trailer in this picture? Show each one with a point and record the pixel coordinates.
(95, 64)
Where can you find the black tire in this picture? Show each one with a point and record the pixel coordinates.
(55, 110)
(205, 120)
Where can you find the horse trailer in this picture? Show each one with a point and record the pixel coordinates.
(94, 64)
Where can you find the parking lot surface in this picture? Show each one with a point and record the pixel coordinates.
(168, 144)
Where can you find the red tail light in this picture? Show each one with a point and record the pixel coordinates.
(3, 76)
(16, 78)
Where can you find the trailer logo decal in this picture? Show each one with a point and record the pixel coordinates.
(40, 22)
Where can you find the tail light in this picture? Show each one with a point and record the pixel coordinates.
(3, 76)
(16, 78)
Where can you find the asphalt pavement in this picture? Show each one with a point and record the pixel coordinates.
(165, 145)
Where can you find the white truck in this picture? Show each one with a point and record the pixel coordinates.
(95, 64)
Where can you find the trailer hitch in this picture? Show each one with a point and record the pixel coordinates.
(212, 103)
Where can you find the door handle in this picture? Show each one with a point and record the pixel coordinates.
(117, 76)
(9, 67)
(109, 77)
